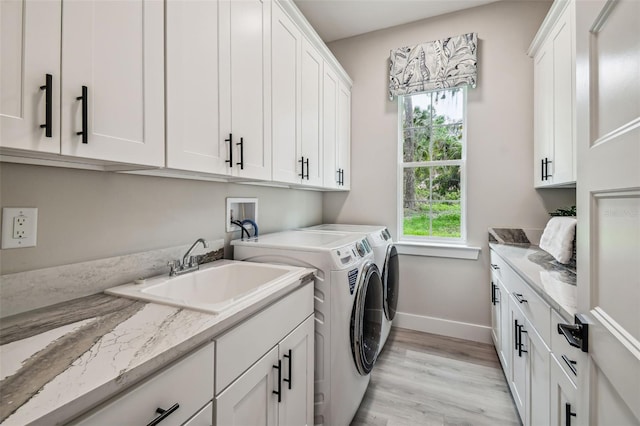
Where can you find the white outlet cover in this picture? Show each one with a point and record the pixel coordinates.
(30, 216)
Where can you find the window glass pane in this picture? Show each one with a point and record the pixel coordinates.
(447, 142)
(416, 144)
(448, 106)
(432, 201)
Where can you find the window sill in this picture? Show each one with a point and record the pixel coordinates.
(452, 251)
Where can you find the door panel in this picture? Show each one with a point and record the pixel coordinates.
(608, 199)
(329, 126)
(344, 133)
(30, 49)
(311, 98)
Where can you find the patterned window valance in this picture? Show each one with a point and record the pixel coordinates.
(450, 62)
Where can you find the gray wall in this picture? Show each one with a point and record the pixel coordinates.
(500, 151)
(86, 215)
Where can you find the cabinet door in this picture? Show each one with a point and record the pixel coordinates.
(286, 49)
(563, 170)
(518, 380)
(193, 131)
(495, 313)
(296, 353)
(344, 134)
(250, 399)
(116, 50)
(506, 332)
(245, 81)
(543, 115)
(563, 393)
(311, 111)
(330, 83)
(30, 49)
(538, 356)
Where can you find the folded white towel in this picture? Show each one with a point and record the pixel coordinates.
(557, 238)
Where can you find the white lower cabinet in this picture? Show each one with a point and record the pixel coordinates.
(203, 417)
(176, 393)
(563, 395)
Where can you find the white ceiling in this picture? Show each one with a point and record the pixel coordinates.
(337, 19)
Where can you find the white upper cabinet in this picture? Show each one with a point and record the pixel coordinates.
(245, 86)
(193, 130)
(286, 45)
(112, 92)
(336, 123)
(553, 51)
(311, 114)
(344, 135)
(29, 52)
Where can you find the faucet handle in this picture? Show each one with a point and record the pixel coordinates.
(174, 265)
(193, 260)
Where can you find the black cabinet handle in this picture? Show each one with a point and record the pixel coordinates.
(279, 391)
(48, 105)
(85, 113)
(494, 300)
(301, 161)
(341, 177)
(542, 169)
(516, 327)
(519, 298)
(241, 163)
(163, 414)
(230, 140)
(571, 364)
(495, 267)
(338, 181)
(568, 414)
(289, 381)
(306, 162)
(546, 168)
(520, 345)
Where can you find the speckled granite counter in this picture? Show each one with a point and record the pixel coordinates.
(555, 283)
(59, 361)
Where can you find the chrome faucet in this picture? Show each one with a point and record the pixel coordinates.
(189, 262)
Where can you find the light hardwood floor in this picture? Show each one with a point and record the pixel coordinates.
(425, 379)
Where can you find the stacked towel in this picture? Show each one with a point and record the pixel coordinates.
(557, 238)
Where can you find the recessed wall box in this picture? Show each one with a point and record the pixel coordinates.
(241, 209)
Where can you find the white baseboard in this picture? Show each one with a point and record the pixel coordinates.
(444, 327)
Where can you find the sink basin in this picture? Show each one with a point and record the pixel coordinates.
(215, 287)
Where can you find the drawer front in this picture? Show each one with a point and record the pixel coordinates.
(188, 383)
(203, 418)
(240, 347)
(566, 354)
(497, 269)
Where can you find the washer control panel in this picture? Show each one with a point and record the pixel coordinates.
(351, 253)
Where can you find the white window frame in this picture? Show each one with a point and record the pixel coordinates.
(429, 245)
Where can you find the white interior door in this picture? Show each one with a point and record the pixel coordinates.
(116, 50)
(608, 200)
(29, 50)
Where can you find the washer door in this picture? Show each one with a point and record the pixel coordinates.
(366, 319)
(391, 282)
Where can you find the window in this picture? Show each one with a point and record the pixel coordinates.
(432, 166)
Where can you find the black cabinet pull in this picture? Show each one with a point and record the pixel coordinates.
(163, 414)
(306, 162)
(516, 327)
(542, 169)
(519, 298)
(301, 161)
(341, 177)
(338, 181)
(85, 113)
(279, 391)
(494, 300)
(520, 345)
(230, 140)
(289, 381)
(571, 364)
(568, 414)
(241, 163)
(494, 267)
(48, 105)
(546, 168)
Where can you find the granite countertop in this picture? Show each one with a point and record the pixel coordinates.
(554, 282)
(59, 361)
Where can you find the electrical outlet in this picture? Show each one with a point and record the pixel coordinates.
(19, 227)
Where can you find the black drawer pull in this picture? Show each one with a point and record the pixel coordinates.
(48, 105)
(571, 364)
(494, 267)
(516, 335)
(520, 345)
(230, 140)
(494, 299)
(519, 298)
(163, 414)
(241, 163)
(289, 381)
(85, 114)
(568, 414)
(279, 391)
(301, 161)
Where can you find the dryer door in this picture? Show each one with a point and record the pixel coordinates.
(366, 319)
(391, 281)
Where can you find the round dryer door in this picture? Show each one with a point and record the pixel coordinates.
(391, 282)
(366, 319)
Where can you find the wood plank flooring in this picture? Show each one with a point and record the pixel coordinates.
(426, 379)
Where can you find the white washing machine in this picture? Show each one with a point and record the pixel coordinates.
(348, 311)
(386, 258)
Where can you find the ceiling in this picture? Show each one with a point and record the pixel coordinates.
(338, 19)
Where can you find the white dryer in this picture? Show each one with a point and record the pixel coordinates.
(348, 311)
(386, 258)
